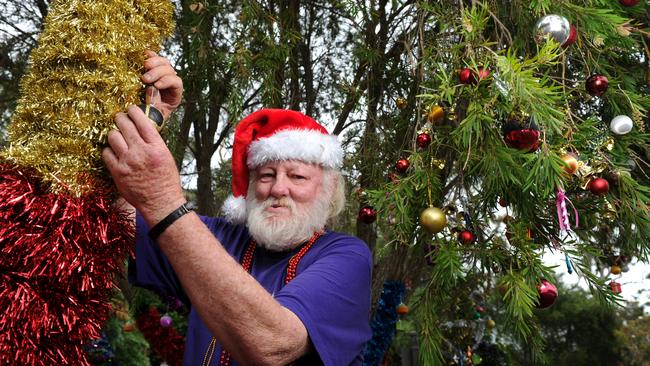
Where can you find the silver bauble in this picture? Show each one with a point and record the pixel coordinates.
(621, 125)
(555, 26)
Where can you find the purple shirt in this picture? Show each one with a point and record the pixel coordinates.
(330, 294)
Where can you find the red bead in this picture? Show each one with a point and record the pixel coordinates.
(367, 215)
(597, 84)
(466, 237)
(402, 165)
(628, 2)
(423, 140)
(573, 36)
(547, 294)
(599, 186)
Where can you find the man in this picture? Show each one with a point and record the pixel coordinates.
(268, 285)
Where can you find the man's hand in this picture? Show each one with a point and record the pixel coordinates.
(142, 166)
(166, 88)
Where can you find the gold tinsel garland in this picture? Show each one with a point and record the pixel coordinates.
(87, 68)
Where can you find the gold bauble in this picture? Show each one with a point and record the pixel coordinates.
(401, 103)
(616, 270)
(433, 219)
(490, 324)
(571, 162)
(436, 114)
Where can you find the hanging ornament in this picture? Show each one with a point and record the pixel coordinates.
(573, 36)
(621, 125)
(503, 202)
(436, 115)
(625, 267)
(547, 294)
(154, 115)
(402, 309)
(599, 186)
(569, 268)
(571, 163)
(466, 237)
(615, 270)
(197, 8)
(367, 215)
(469, 76)
(554, 26)
(433, 219)
(490, 324)
(521, 135)
(615, 287)
(423, 140)
(597, 84)
(402, 165)
(401, 103)
(628, 3)
(166, 321)
(128, 327)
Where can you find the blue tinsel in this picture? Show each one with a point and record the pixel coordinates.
(383, 323)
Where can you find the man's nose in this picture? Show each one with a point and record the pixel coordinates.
(280, 187)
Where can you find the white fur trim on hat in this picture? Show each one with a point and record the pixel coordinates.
(234, 209)
(305, 145)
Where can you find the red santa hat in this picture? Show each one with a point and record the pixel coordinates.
(276, 135)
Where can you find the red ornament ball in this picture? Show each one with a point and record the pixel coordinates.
(423, 140)
(402, 165)
(628, 2)
(466, 237)
(597, 84)
(367, 215)
(547, 294)
(573, 36)
(521, 135)
(599, 186)
(468, 76)
(402, 309)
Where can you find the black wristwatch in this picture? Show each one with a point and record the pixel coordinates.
(163, 224)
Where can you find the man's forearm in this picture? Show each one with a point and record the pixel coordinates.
(239, 312)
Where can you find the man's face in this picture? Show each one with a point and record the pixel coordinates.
(287, 202)
(300, 182)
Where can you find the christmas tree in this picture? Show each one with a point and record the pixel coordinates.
(527, 136)
(62, 240)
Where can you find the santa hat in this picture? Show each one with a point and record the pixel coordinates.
(275, 135)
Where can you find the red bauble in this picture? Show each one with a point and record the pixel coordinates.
(465, 76)
(402, 165)
(521, 136)
(628, 2)
(423, 140)
(367, 215)
(547, 294)
(466, 237)
(573, 36)
(597, 84)
(599, 186)
(468, 76)
(615, 287)
(402, 309)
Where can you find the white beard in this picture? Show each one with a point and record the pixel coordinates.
(280, 234)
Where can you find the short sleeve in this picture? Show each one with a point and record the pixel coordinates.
(150, 268)
(332, 299)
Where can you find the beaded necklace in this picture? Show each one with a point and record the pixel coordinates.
(247, 264)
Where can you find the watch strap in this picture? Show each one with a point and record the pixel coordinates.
(163, 224)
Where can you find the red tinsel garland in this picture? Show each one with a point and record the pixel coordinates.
(58, 258)
(165, 341)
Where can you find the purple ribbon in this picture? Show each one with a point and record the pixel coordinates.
(562, 214)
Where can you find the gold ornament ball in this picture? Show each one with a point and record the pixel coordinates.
(436, 114)
(616, 270)
(401, 103)
(571, 162)
(490, 324)
(433, 219)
